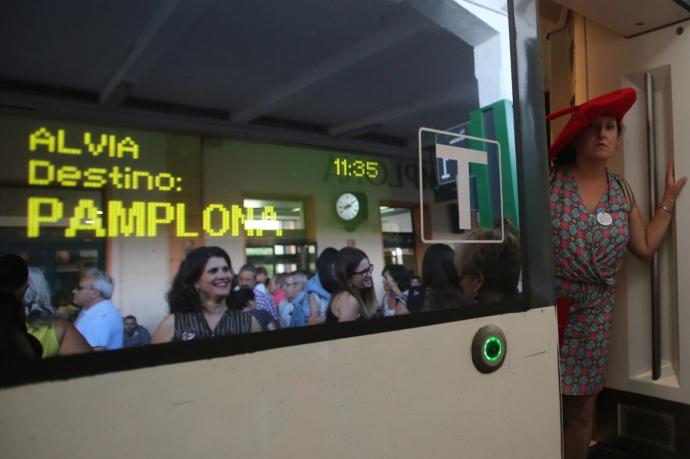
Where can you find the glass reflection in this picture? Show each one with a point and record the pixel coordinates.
(250, 163)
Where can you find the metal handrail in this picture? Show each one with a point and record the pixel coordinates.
(651, 162)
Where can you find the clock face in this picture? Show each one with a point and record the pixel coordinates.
(347, 206)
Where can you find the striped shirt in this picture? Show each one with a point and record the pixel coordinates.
(193, 325)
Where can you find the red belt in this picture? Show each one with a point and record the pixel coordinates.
(562, 311)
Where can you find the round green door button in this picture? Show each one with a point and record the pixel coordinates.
(489, 349)
(493, 348)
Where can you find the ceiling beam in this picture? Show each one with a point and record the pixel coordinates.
(386, 38)
(163, 30)
(456, 19)
(54, 106)
(356, 127)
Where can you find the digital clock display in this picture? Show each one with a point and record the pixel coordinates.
(356, 168)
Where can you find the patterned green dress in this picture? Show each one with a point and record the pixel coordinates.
(588, 249)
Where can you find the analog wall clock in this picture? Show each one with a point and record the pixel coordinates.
(351, 208)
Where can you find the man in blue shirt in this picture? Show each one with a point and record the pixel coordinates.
(135, 334)
(294, 309)
(99, 321)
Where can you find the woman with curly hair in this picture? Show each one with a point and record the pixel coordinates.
(198, 300)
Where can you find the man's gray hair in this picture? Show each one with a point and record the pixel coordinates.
(101, 282)
(300, 278)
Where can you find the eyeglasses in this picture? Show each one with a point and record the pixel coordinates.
(81, 287)
(366, 271)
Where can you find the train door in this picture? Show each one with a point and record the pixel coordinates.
(273, 130)
(645, 409)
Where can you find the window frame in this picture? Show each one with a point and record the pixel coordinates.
(537, 258)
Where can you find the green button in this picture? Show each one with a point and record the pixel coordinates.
(492, 349)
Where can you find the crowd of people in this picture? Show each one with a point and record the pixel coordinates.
(208, 298)
(33, 327)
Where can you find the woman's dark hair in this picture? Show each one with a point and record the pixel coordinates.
(14, 272)
(438, 268)
(498, 263)
(324, 268)
(400, 275)
(440, 278)
(15, 342)
(565, 157)
(345, 265)
(182, 296)
(238, 299)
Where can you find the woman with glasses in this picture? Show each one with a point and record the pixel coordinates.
(354, 297)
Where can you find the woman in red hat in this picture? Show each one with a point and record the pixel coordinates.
(594, 218)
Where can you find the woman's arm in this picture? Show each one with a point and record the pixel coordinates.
(273, 325)
(71, 341)
(314, 317)
(391, 300)
(165, 331)
(345, 307)
(646, 239)
(256, 326)
(393, 295)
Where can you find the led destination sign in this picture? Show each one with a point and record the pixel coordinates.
(116, 218)
(143, 219)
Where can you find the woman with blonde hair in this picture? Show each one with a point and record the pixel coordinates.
(57, 335)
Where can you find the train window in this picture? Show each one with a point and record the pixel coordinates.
(398, 234)
(366, 150)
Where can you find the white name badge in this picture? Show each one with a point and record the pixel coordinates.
(604, 218)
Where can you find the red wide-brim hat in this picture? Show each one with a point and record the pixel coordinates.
(614, 104)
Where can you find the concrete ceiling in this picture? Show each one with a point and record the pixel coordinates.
(368, 70)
